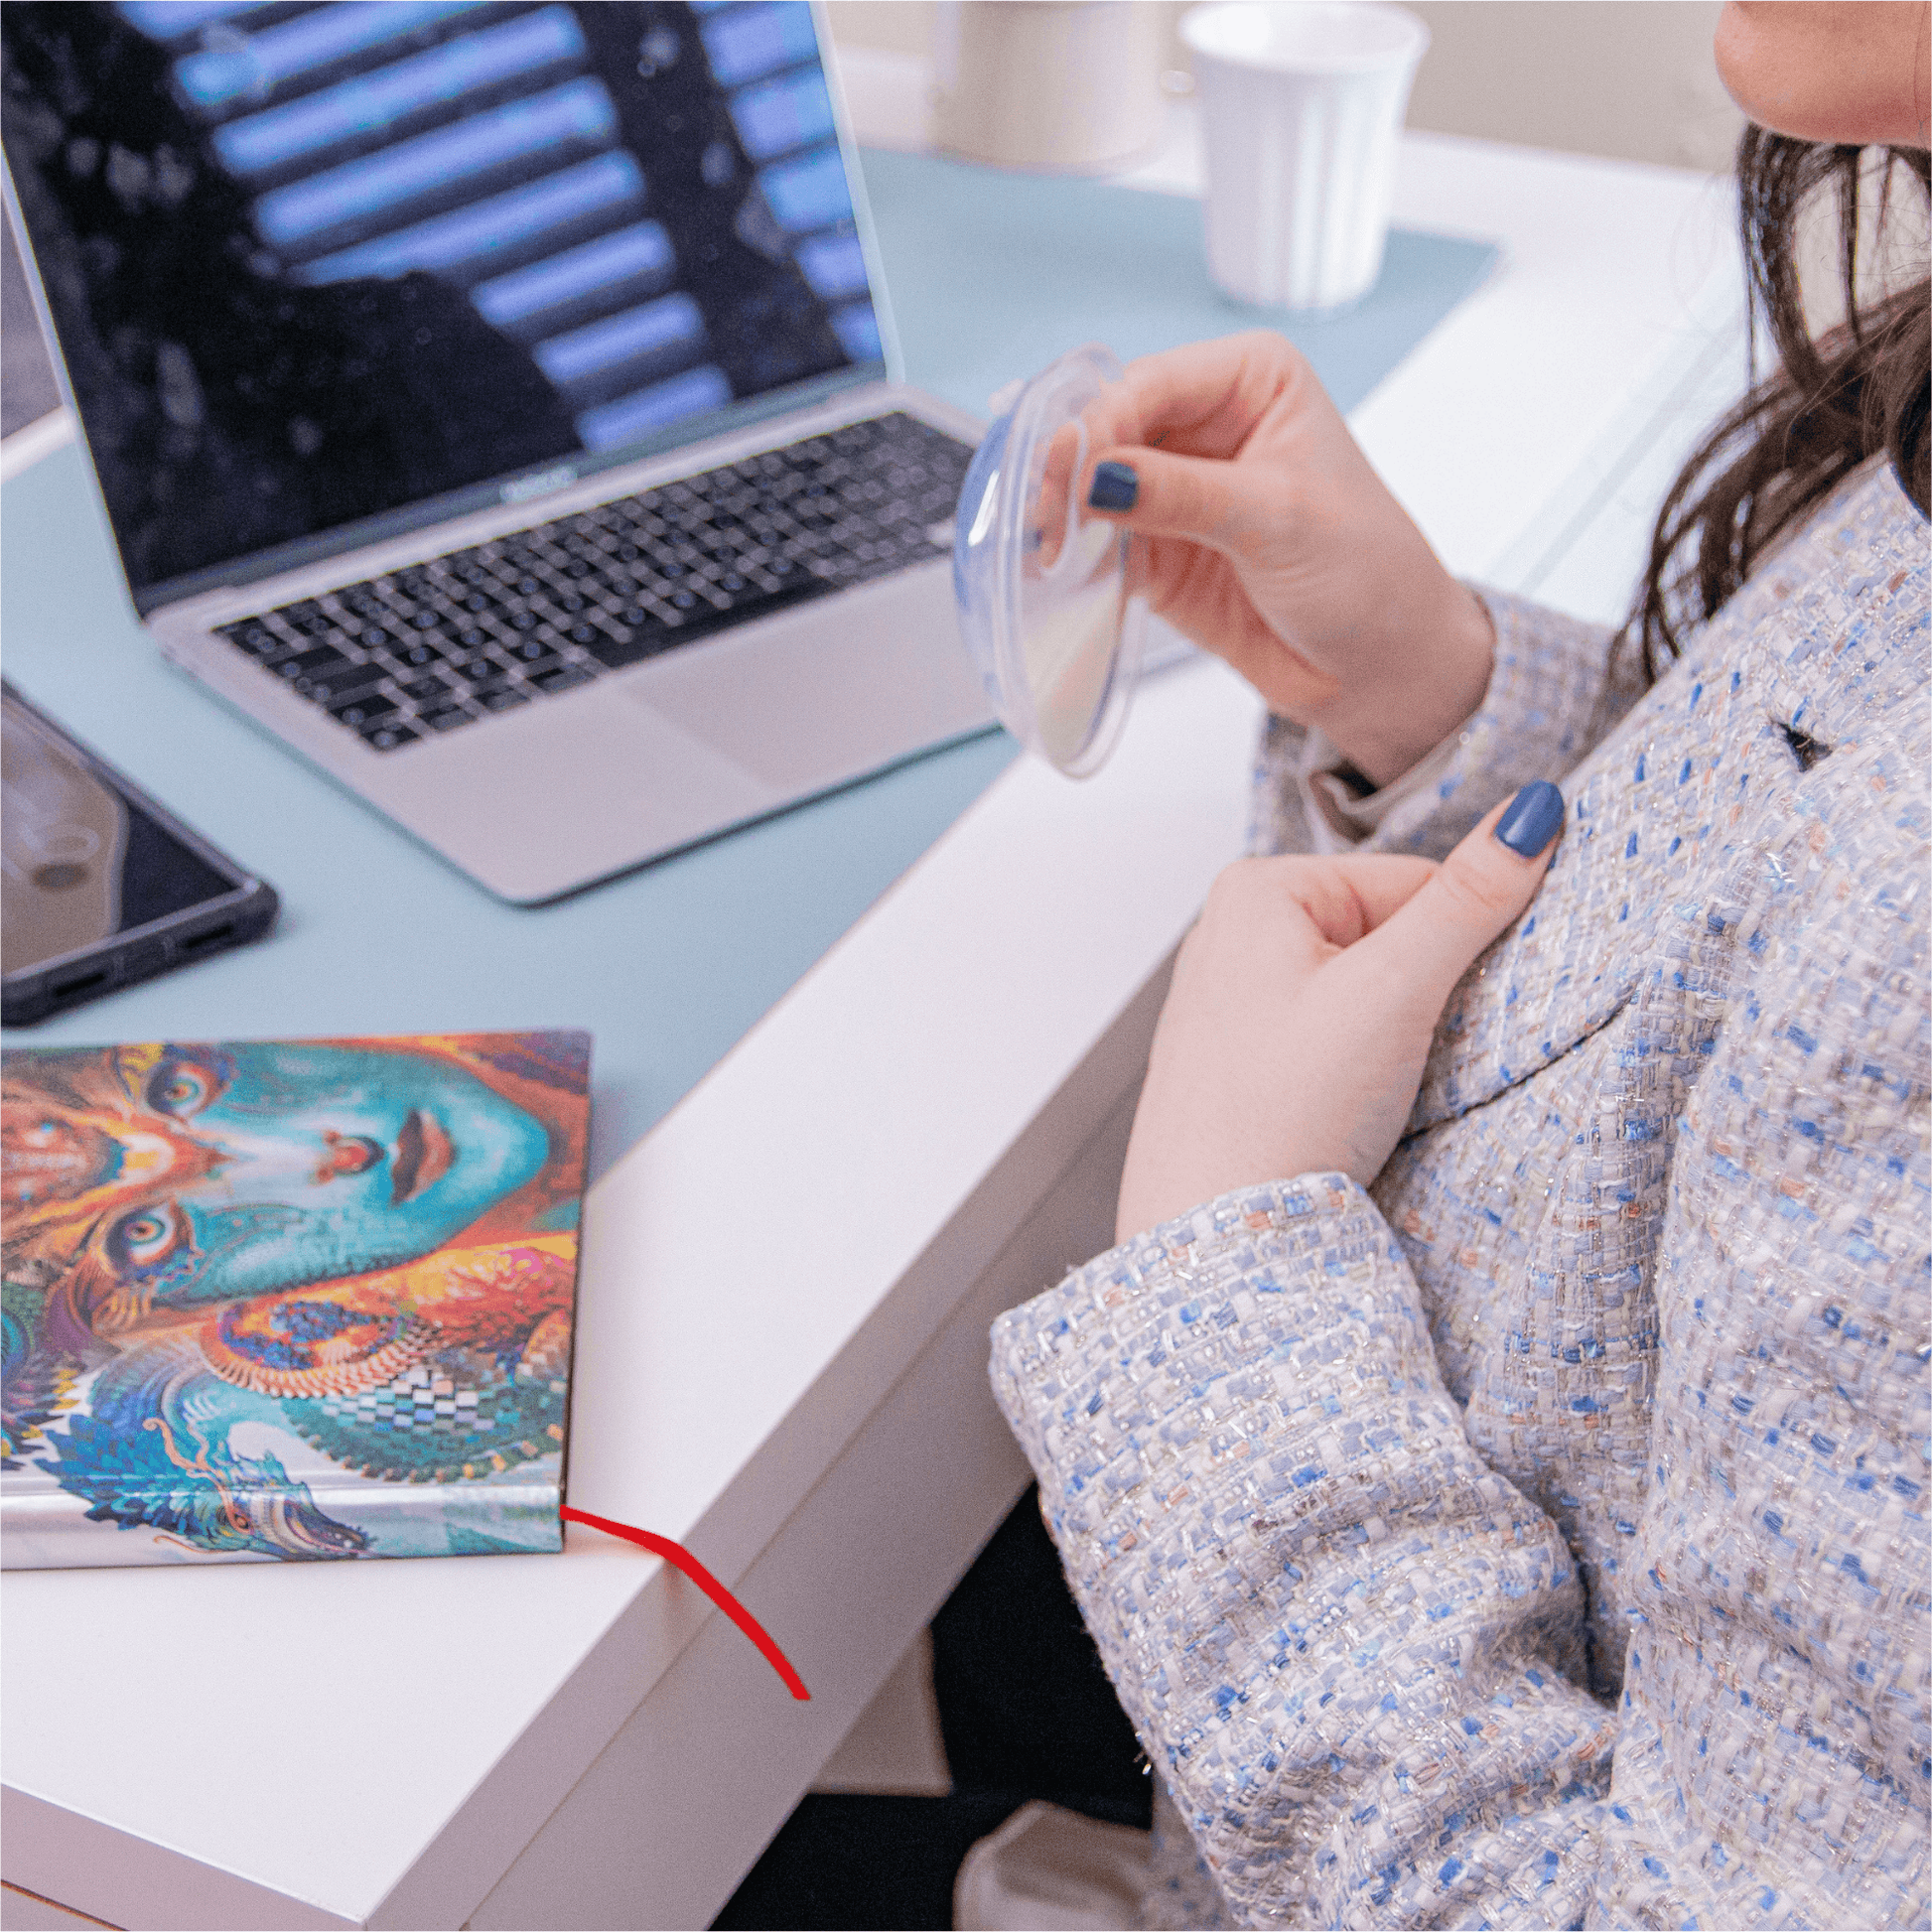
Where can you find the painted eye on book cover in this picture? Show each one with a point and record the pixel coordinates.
(182, 1086)
(147, 1236)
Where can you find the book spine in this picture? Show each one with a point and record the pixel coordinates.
(52, 1530)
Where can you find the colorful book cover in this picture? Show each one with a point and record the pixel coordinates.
(288, 1298)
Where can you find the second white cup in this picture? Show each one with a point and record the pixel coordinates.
(1300, 109)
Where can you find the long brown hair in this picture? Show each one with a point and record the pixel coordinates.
(1860, 389)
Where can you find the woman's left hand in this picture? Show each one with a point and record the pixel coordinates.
(1303, 1007)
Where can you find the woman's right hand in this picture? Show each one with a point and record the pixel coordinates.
(1271, 541)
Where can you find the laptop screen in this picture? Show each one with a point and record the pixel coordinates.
(323, 273)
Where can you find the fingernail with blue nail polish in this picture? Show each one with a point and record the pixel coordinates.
(1115, 486)
(1534, 818)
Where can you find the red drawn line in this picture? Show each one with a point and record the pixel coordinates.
(678, 1555)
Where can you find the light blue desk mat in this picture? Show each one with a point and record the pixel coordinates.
(991, 275)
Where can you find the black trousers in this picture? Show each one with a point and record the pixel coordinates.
(1026, 1712)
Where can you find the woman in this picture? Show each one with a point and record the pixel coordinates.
(1493, 1463)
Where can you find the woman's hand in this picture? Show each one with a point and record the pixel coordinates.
(1303, 1005)
(1271, 542)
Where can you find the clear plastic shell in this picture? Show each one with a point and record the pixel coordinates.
(1045, 590)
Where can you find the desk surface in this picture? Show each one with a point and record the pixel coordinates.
(768, 1269)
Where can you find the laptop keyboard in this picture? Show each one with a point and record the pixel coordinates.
(429, 650)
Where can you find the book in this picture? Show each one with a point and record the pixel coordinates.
(285, 1299)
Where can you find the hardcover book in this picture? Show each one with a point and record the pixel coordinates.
(289, 1299)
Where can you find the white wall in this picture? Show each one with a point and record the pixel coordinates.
(1626, 78)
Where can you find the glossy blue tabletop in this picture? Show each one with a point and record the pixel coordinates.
(991, 275)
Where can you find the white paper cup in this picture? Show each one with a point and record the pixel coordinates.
(1301, 106)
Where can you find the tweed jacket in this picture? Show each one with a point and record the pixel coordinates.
(1539, 1536)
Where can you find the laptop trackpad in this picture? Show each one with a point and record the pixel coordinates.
(823, 694)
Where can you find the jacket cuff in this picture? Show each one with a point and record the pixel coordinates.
(1553, 692)
(1074, 1369)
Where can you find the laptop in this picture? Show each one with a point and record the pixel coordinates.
(499, 403)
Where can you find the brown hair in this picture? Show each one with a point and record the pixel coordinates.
(1860, 389)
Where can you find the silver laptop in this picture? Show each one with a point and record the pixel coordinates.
(500, 403)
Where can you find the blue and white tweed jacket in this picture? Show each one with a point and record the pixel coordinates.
(1539, 1538)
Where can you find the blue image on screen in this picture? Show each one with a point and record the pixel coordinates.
(745, 43)
(360, 255)
(776, 117)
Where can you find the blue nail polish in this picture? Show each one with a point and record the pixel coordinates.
(1534, 818)
(1115, 486)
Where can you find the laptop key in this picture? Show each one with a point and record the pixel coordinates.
(560, 677)
(531, 652)
(613, 653)
(339, 687)
(364, 710)
(389, 736)
(254, 637)
(322, 657)
(446, 718)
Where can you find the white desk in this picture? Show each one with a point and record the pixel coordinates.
(788, 1284)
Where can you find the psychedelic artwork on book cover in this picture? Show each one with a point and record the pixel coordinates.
(289, 1299)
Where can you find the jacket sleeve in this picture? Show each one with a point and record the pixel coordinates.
(1344, 1641)
(1557, 689)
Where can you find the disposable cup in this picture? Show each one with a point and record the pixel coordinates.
(1301, 106)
